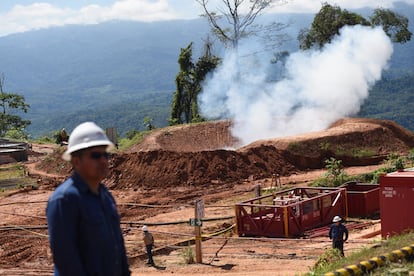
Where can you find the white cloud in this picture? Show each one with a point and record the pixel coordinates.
(47, 13)
(312, 6)
(43, 15)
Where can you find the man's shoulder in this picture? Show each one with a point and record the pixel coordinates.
(66, 189)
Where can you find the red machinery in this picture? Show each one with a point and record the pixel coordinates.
(363, 199)
(291, 212)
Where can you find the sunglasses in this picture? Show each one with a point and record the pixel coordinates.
(98, 155)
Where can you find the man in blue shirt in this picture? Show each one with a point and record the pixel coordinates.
(83, 222)
(336, 234)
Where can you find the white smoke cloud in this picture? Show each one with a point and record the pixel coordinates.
(320, 86)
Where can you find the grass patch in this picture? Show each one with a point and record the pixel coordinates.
(361, 152)
(11, 171)
(294, 147)
(355, 152)
(13, 176)
(383, 247)
(340, 151)
(127, 143)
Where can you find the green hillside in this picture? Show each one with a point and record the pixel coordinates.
(392, 99)
(117, 73)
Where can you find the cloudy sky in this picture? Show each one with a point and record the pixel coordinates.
(23, 15)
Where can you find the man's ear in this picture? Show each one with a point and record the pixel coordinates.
(75, 160)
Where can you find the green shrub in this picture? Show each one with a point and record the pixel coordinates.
(329, 257)
(335, 175)
(17, 134)
(399, 163)
(410, 156)
(324, 146)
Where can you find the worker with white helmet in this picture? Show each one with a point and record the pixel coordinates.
(149, 243)
(83, 222)
(336, 234)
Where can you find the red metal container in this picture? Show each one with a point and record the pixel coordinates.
(363, 199)
(291, 212)
(396, 202)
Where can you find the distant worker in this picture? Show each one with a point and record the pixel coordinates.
(83, 223)
(64, 136)
(336, 234)
(149, 243)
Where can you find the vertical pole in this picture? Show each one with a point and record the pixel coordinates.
(236, 212)
(197, 229)
(346, 203)
(286, 220)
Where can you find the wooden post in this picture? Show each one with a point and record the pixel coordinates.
(199, 213)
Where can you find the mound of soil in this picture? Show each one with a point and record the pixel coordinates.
(168, 168)
(355, 141)
(190, 138)
(196, 154)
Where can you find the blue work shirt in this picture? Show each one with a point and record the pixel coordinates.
(84, 231)
(336, 232)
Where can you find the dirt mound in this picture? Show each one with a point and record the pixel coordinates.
(195, 154)
(168, 168)
(190, 138)
(355, 141)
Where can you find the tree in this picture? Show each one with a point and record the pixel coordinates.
(148, 123)
(393, 24)
(184, 107)
(330, 19)
(239, 17)
(335, 174)
(10, 102)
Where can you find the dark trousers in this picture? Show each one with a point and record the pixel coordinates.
(149, 253)
(339, 244)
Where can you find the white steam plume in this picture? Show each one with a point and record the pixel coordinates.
(319, 87)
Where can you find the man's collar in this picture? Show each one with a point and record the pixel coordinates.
(81, 184)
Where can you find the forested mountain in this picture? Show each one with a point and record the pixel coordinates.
(393, 97)
(117, 73)
(114, 73)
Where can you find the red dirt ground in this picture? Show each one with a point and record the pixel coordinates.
(176, 165)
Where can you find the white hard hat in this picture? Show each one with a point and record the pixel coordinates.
(144, 228)
(336, 219)
(86, 135)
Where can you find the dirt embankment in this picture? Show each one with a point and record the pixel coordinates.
(190, 138)
(357, 142)
(197, 155)
(169, 168)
